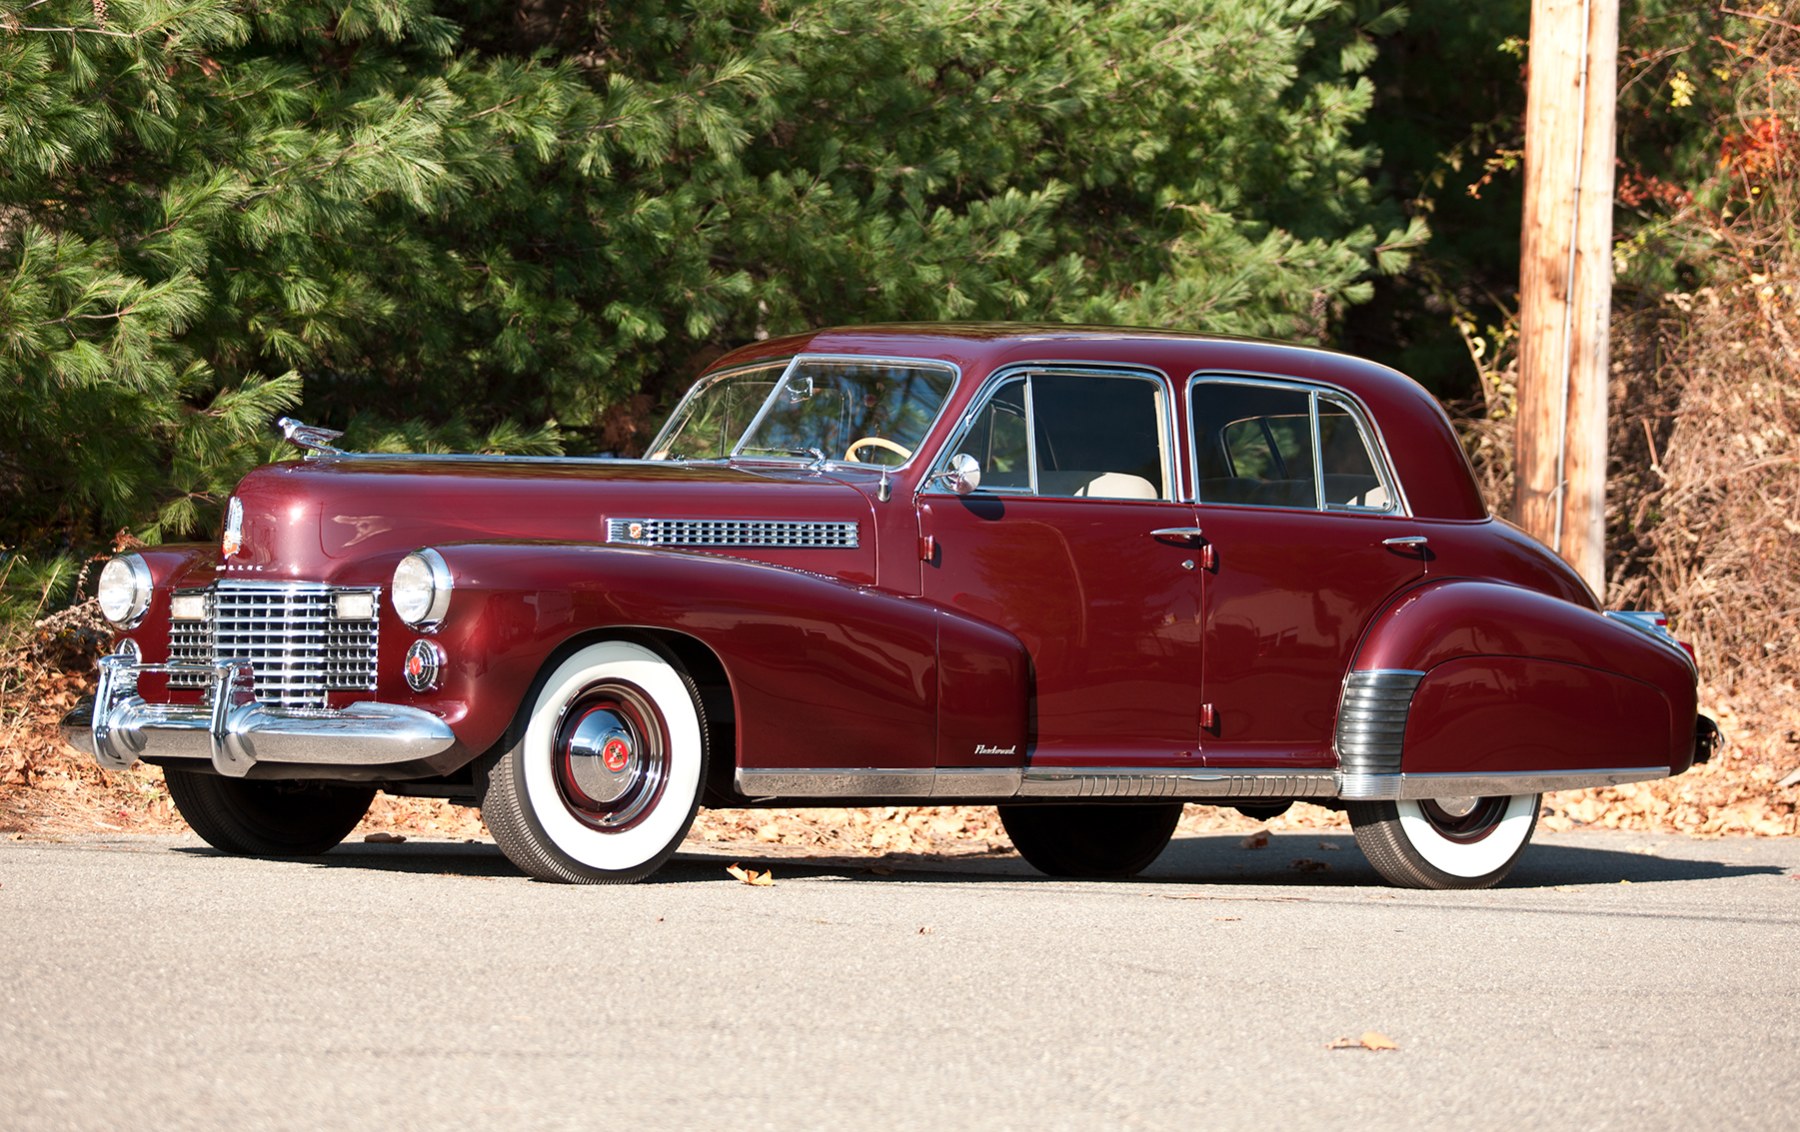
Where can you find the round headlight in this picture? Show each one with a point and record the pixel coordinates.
(124, 590)
(421, 589)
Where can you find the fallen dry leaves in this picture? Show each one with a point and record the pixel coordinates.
(751, 877)
(48, 790)
(1370, 1040)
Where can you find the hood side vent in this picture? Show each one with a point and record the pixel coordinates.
(763, 533)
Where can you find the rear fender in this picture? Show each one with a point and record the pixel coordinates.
(822, 673)
(1508, 690)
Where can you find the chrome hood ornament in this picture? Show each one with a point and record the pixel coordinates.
(310, 437)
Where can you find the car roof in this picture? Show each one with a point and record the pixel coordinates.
(1421, 442)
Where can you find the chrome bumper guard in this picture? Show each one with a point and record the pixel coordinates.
(236, 732)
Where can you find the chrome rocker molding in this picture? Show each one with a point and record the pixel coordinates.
(1036, 782)
(1235, 783)
(236, 732)
(1135, 782)
(899, 782)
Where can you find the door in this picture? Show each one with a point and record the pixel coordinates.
(1060, 545)
(1309, 539)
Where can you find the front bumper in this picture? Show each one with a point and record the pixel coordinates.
(235, 731)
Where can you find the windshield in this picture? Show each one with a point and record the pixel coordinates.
(853, 409)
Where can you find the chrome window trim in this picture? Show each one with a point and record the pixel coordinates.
(1383, 458)
(955, 372)
(1167, 427)
(705, 381)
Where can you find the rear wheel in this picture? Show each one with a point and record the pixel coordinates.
(604, 782)
(267, 819)
(1087, 840)
(1445, 842)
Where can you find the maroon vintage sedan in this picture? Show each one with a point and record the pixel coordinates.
(1088, 575)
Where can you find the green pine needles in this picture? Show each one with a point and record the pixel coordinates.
(521, 227)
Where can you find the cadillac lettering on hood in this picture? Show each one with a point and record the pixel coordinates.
(1086, 575)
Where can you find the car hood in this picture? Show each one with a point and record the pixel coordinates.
(314, 519)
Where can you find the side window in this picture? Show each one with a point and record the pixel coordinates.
(1098, 436)
(1253, 445)
(1351, 482)
(1072, 435)
(1000, 439)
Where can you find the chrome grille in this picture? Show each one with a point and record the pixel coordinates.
(779, 533)
(297, 646)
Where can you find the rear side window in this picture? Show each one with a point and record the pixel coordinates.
(1266, 445)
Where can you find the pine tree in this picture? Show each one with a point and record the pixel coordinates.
(521, 227)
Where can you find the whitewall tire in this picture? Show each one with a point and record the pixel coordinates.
(604, 781)
(1445, 843)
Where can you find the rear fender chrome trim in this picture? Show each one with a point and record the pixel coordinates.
(1524, 782)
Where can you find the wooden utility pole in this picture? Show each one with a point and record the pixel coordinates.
(1565, 280)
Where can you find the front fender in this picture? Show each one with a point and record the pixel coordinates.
(822, 673)
(1513, 682)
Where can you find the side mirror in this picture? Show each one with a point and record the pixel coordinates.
(962, 476)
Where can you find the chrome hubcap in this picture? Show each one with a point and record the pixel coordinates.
(599, 754)
(1465, 819)
(611, 761)
(1458, 807)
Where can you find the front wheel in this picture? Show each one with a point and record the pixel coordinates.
(1088, 840)
(605, 780)
(267, 819)
(1445, 842)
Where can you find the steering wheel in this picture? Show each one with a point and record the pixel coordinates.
(876, 442)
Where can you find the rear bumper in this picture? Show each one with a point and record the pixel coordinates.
(1707, 738)
(235, 732)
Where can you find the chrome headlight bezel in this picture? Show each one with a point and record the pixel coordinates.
(124, 590)
(420, 591)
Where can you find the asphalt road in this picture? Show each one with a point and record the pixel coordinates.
(1618, 981)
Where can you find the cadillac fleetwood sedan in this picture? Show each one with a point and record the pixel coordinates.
(1087, 575)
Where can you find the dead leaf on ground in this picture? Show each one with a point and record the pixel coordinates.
(927, 930)
(1308, 865)
(1225, 919)
(383, 837)
(751, 876)
(1256, 840)
(1330, 846)
(1370, 1040)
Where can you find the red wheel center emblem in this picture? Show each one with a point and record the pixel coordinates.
(616, 754)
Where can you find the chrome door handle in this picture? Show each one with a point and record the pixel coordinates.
(1412, 542)
(1179, 534)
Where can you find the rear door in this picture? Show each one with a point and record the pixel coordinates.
(1309, 537)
